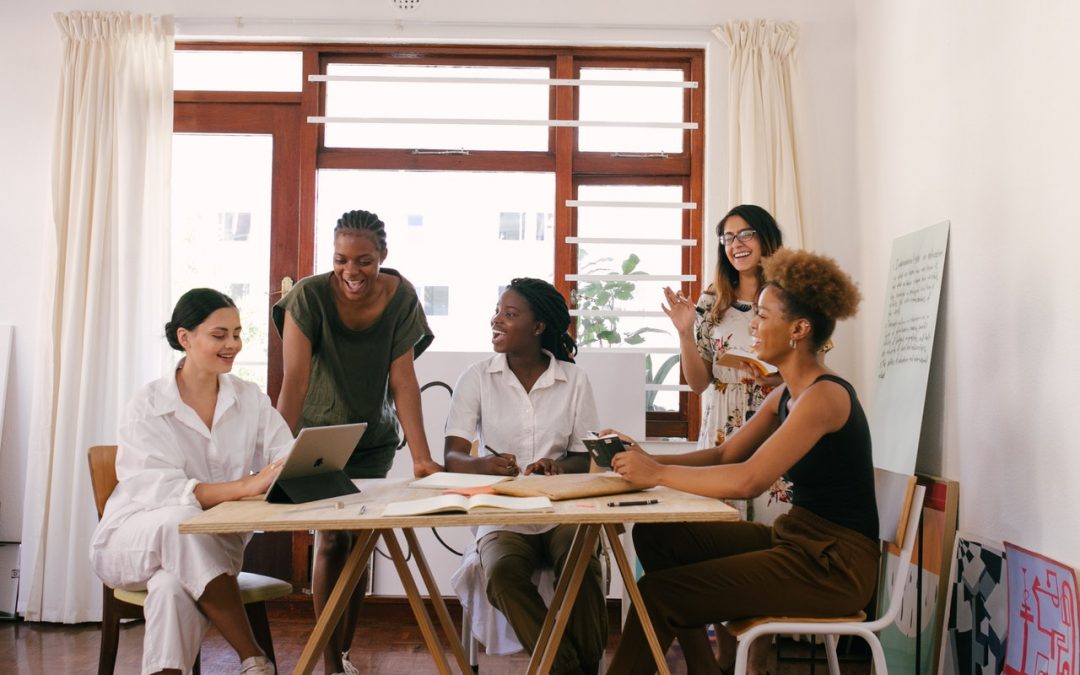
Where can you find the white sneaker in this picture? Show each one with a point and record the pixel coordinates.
(350, 669)
(257, 665)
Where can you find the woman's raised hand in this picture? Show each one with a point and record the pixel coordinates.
(680, 310)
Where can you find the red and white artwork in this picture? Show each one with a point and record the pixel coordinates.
(1043, 637)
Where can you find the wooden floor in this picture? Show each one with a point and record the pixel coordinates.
(387, 642)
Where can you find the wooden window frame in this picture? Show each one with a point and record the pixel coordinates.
(570, 166)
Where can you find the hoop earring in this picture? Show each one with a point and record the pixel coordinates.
(793, 343)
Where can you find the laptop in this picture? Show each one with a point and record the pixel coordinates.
(315, 467)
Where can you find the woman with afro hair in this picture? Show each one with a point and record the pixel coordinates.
(818, 559)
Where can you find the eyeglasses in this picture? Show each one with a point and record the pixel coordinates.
(728, 238)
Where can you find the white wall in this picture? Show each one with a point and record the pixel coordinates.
(31, 63)
(968, 111)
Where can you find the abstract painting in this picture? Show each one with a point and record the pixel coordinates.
(977, 610)
(1042, 615)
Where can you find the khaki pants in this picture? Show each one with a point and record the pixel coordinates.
(509, 560)
(702, 573)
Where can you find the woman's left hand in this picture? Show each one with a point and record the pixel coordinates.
(637, 467)
(425, 467)
(259, 483)
(544, 467)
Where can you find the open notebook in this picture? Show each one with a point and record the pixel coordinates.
(462, 504)
(446, 480)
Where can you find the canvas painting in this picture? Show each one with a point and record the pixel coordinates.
(912, 642)
(1042, 615)
(977, 610)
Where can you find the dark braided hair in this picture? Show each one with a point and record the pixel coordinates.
(549, 306)
(355, 222)
(192, 309)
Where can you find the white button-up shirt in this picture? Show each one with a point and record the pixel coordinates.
(165, 449)
(548, 421)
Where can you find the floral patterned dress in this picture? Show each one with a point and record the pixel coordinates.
(732, 397)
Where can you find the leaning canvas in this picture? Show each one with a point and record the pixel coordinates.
(1042, 615)
(912, 644)
(977, 611)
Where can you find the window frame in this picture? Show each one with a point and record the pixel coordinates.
(571, 166)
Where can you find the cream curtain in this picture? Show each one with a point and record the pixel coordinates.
(764, 150)
(106, 281)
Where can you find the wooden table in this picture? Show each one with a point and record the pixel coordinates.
(591, 515)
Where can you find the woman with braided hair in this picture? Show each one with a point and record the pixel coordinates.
(349, 338)
(529, 406)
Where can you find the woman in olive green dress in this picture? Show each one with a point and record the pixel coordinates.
(349, 338)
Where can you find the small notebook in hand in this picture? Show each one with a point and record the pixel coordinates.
(737, 358)
(461, 504)
(603, 448)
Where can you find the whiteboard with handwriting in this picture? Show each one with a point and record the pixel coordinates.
(907, 341)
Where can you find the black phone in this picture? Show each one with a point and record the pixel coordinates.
(603, 449)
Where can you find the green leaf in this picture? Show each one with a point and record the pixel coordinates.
(630, 263)
(610, 336)
(666, 367)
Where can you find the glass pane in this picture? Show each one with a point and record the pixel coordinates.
(662, 368)
(444, 233)
(604, 258)
(221, 230)
(631, 104)
(237, 71)
(453, 100)
(614, 258)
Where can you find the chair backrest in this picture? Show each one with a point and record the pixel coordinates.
(102, 460)
(894, 492)
(900, 503)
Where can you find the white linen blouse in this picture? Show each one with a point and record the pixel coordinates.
(165, 449)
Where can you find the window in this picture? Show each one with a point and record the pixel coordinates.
(436, 300)
(582, 166)
(234, 226)
(511, 226)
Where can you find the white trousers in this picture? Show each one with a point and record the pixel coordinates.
(148, 553)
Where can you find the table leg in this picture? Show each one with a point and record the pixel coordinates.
(416, 601)
(338, 601)
(437, 600)
(635, 598)
(577, 561)
(557, 600)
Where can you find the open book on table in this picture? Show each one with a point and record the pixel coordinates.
(737, 358)
(446, 480)
(460, 503)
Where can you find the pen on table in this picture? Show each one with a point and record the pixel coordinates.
(640, 502)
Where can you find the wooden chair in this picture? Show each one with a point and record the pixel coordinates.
(899, 503)
(117, 604)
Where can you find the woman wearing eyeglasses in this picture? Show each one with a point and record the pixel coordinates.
(721, 321)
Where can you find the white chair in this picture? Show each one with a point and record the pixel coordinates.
(483, 623)
(899, 503)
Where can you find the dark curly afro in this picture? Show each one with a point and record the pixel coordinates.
(813, 286)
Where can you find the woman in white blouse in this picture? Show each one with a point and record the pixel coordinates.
(188, 441)
(530, 406)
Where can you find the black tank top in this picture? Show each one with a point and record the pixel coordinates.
(835, 480)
